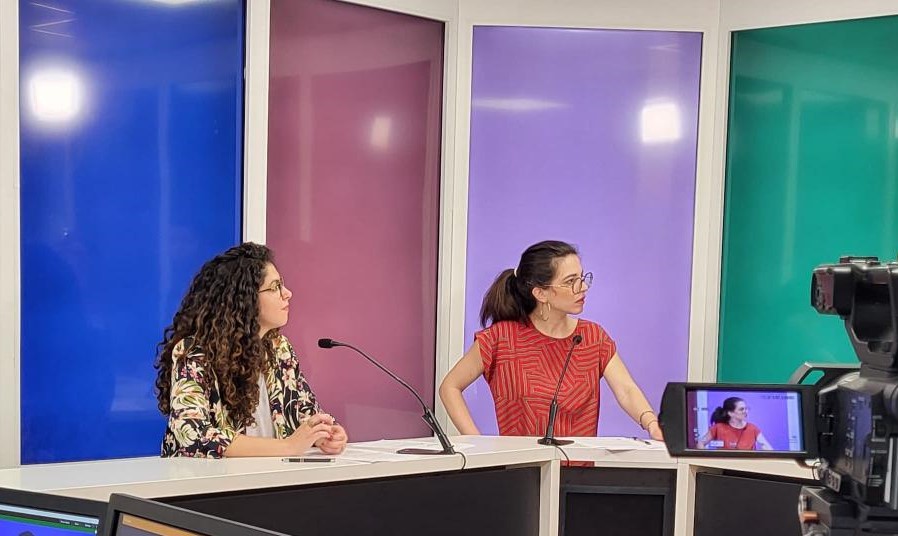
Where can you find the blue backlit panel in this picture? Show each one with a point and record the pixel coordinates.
(131, 175)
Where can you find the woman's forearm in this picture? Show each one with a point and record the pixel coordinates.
(457, 409)
(244, 445)
(635, 404)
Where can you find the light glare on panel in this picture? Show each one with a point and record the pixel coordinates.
(380, 132)
(176, 2)
(660, 122)
(516, 104)
(55, 95)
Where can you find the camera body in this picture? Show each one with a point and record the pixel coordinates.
(857, 432)
(848, 420)
(857, 416)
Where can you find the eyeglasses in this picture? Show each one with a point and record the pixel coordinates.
(578, 284)
(276, 286)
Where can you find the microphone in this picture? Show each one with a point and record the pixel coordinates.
(428, 414)
(549, 438)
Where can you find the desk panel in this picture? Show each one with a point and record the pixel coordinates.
(478, 502)
(746, 505)
(603, 499)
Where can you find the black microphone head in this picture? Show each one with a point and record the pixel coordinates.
(576, 340)
(325, 343)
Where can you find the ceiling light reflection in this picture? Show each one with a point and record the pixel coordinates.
(380, 132)
(55, 95)
(660, 122)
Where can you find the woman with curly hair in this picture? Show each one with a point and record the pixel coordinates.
(228, 381)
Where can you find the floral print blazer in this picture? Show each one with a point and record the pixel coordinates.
(198, 424)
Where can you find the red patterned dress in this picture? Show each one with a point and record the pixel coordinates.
(745, 438)
(522, 365)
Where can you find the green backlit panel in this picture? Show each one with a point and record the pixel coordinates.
(812, 157)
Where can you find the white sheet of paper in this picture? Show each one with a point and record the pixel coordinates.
(372, 455)
(613, 444)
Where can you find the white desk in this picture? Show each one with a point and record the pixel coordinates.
(157, 477)
(687, 468)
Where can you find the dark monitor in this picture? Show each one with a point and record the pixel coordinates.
(26, 513)
(131, 516)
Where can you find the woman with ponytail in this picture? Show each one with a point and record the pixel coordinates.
(529, 330)
(731, 430)
(228, 381)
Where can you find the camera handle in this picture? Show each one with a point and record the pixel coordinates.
(831, 372)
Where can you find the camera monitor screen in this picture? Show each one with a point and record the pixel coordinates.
(745, 420)
(753, 420)
(40, 514)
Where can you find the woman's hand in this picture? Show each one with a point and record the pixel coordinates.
(335, 443)
(654, 430)
(314, 429)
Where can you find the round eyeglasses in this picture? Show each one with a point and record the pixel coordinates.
(276, 286)
(577, 284)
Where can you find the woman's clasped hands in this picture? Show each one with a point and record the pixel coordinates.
(322, 431)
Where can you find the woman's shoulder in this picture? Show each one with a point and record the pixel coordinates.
(281, 343)
(189, 360)
(503, 329)
(592, 332)
(283, 350)
(187, 347)
(589, 326)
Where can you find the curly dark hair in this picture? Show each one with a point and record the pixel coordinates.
(221, 313)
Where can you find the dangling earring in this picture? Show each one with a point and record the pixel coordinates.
(544, 311)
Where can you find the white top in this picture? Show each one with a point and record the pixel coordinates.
(264, 427)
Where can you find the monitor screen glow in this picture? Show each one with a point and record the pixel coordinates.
(744, 420)
(17, 520)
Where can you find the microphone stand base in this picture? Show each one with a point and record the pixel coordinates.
(552, 442)
(425, 451)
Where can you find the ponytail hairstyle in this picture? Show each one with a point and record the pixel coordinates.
(722, 413)
(510, 297)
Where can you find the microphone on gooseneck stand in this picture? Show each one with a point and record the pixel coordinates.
(428, 414)
(549, 438)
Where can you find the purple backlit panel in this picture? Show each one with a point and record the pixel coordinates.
(589, 136)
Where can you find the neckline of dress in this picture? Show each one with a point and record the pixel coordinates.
(551, 338)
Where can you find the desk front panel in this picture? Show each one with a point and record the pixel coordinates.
(484, 502)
